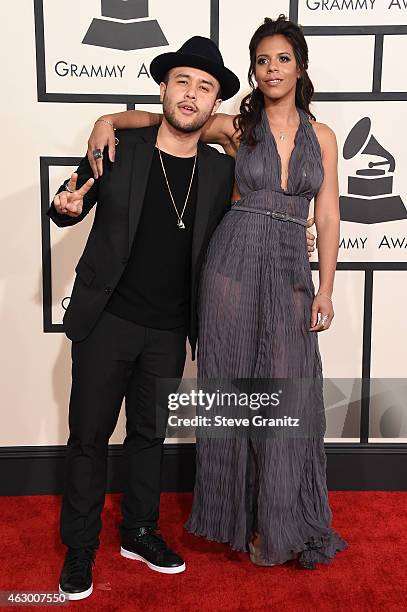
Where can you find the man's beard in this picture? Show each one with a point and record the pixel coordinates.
(196, 125)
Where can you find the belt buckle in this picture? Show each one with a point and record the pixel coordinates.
(279, 215)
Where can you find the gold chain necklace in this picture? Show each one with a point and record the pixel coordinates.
(180, 222)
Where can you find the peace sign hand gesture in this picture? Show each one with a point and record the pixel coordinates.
(70, 202)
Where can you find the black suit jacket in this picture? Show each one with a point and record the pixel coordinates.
(119, 194)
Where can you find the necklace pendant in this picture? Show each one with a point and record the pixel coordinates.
(181, 224)
(282, 137)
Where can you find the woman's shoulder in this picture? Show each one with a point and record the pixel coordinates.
(325, 135)
(321, 128)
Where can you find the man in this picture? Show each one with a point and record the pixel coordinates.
(134, 303)
(134, 300)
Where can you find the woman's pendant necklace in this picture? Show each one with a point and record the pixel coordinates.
(282, 136)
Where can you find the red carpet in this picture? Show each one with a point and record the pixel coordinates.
(370, 575)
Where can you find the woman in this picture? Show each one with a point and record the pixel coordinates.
(258, 311)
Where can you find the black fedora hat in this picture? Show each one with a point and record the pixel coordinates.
(197, 52)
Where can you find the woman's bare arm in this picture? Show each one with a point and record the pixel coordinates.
(220, 129)
(327, 220)
(102, 134)
(133, 119)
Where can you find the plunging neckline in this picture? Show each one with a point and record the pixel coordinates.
(277, 152)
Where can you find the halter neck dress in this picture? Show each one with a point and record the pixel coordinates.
(255, 299)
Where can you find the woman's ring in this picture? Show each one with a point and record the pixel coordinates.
(97, 154)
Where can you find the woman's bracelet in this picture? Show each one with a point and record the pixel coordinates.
(106, 121)
(324, 295)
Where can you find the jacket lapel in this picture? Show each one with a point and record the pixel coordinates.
(141, 164)
(204, 201)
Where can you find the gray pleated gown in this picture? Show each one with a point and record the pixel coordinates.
(255, 298)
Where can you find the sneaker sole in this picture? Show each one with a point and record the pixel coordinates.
(157, 568)
(76, 596)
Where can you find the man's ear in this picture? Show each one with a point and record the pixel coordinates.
(216, 106)
(163, 89)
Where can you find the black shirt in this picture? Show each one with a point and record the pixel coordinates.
(154, 289)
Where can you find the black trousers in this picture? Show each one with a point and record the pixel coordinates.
(119, 359)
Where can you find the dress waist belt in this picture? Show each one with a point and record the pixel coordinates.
(275, 214)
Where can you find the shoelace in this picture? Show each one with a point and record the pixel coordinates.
(79, 560)
(153, 540)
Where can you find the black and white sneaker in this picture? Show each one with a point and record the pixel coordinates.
(147, 545)
(76, 577)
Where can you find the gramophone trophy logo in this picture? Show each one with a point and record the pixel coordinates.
(131, 29)
(370, 198)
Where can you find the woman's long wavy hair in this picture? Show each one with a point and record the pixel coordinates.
(252, 105)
